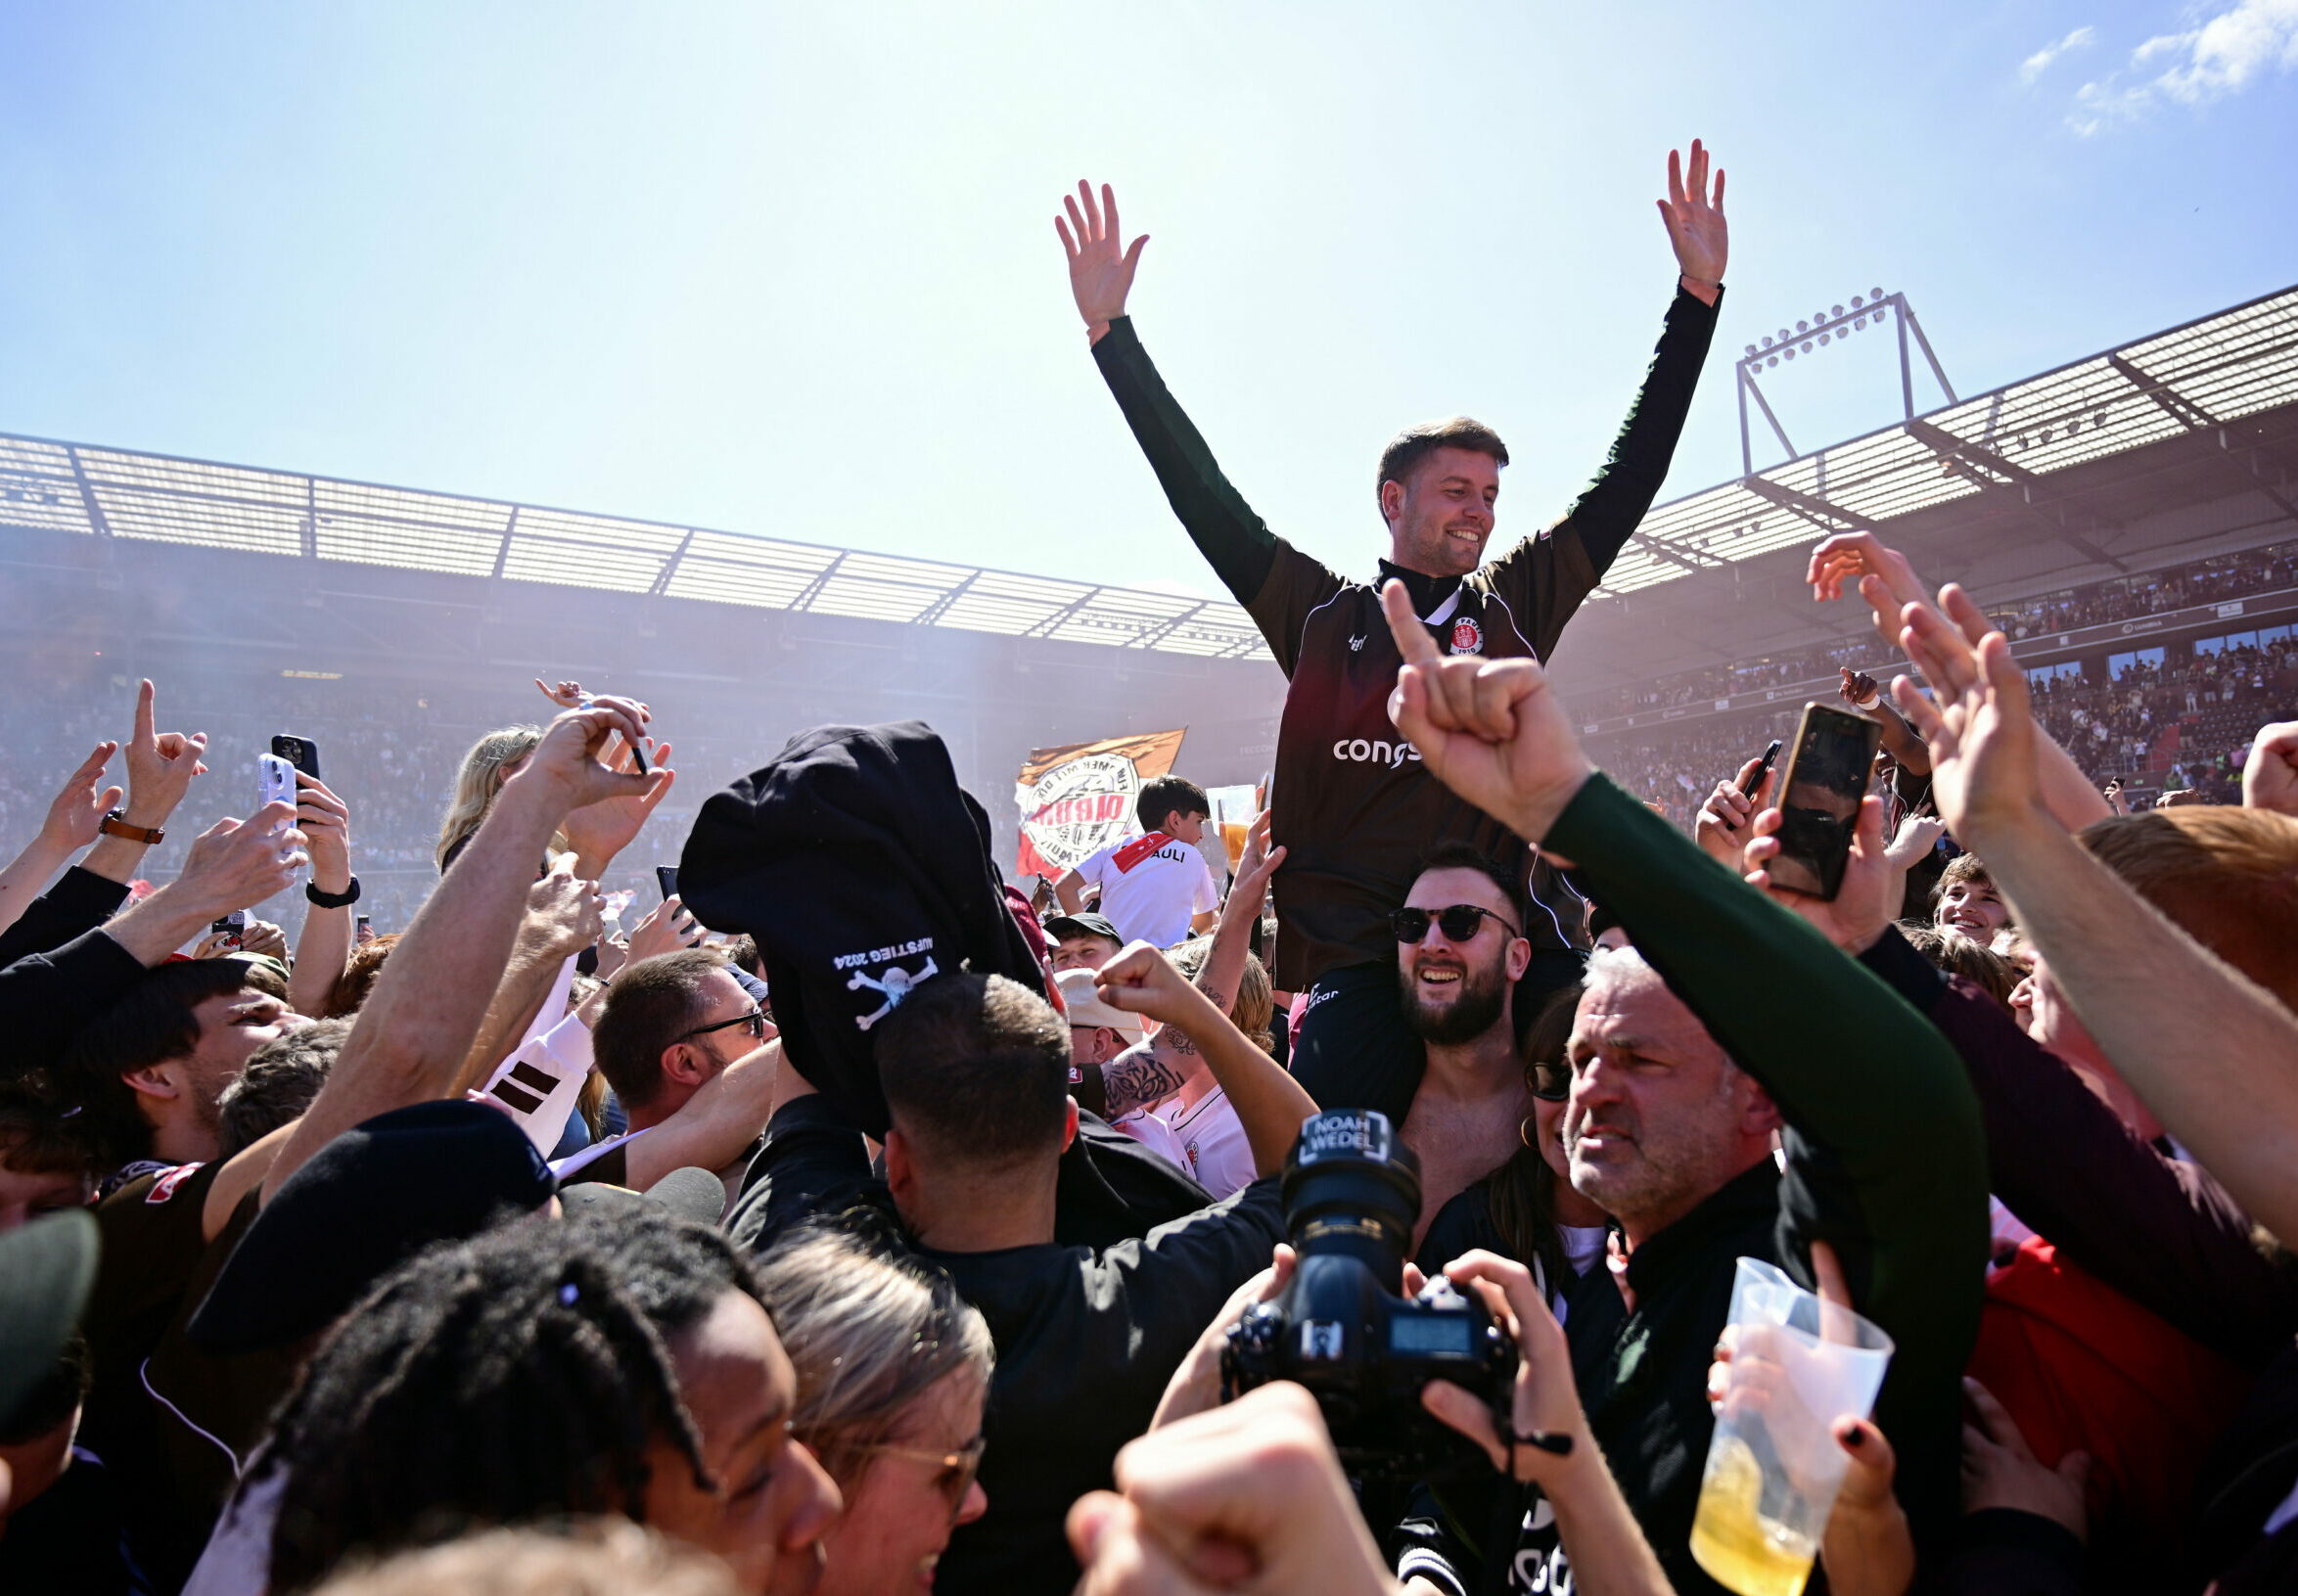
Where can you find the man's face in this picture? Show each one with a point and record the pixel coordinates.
(1096, 1045)
(1658, 1118)
(727, 1001)
(1441, 517)
(1972, 907)
(1083, 952)
(232, 1025)
(1454, 992)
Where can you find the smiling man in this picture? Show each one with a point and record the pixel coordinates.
(1354, 807)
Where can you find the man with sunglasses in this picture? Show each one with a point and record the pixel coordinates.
(675, 1033)
(1460, 952)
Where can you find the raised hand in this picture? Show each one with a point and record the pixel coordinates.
(667, 929)
(1720, 828)
(236, 864)
(161, 765)
(1491, 730)
(565, 695)
(1142, 981)
(565, 912)
(2270, 776)
(1869, 897)
(1258, 864)
(1100, 267)
(78, 808)
(1981, 733)
(599, 831)
(1695, 222)
(567, 759)
(326, 823)
(1883, 577)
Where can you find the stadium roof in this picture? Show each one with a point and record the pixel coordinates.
(2204, 374)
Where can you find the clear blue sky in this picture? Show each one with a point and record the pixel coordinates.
(791, 268)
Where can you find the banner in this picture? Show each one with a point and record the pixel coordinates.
(1080, 797)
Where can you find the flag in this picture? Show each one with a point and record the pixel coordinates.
(1080, 796)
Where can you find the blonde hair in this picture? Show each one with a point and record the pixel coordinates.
(870, 1328)
(477, 783)
(600, 1557)
(1253, 1008)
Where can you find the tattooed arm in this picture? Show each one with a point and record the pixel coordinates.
(1147, 1072)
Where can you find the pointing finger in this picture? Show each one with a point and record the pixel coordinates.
(144, 696)
(1412, 639)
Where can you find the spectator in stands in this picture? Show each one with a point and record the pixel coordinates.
(625, 1366)
(974, 1071)
(1156, 888)
(1082, 941)
(892, 1374)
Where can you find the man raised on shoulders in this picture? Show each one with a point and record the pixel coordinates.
(1355, 808)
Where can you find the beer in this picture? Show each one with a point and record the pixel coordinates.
(1733, 1540)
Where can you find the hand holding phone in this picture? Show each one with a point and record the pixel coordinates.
(300, 752)
(667, 878)
(275, 783)
(1819, 799)
(1754, 783)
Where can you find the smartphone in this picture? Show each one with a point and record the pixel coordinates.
(233, 927)
(1749, 786)
(667, 878)
(364, 931)
(300, 752)
(275, 783)
(1819, 799)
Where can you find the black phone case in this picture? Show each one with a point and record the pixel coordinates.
(1826, 849)
(305, 758)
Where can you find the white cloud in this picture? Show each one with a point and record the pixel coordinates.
(2036, 65)
(2222, 54)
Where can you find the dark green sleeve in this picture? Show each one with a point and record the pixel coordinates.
(1547, 575)
(1239, 546)
(1875, 1091)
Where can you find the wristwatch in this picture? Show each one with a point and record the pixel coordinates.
(333, 900)
(116, 824)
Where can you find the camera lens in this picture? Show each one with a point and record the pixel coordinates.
(1352, 1190)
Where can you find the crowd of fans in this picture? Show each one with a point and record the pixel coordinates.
(849, 1223)
(2267, 569)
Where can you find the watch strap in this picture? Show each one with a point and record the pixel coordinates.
(116, 824)
(333, 900)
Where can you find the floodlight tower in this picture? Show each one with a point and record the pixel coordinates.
(1836, 323)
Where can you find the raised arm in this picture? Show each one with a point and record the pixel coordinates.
(1235, 542)
(2206, 1047)
(1889, 584)
(326, 941)
(1583, 544)
(415, 1029)
(73, 815)
(1270, 1103)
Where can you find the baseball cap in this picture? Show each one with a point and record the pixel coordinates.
(691, 1193)
(363, 1204)
(1087, 1007)
(50, 1266)
(1081, 925)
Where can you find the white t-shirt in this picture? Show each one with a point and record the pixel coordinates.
(1213, 1140)
(1150, 887)
(1155, 1134)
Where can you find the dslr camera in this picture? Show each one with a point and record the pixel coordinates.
(1344, 1329)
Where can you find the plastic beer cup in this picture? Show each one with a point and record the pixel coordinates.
(1798, 1364)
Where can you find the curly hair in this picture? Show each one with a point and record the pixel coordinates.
(518, 1376)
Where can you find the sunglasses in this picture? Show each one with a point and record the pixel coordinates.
(955, 1471)
(1459, 922)
(755, 1022)
(1550, 1083)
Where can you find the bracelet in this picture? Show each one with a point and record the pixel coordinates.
(116, 824)
(333, 900)
(1868, 703)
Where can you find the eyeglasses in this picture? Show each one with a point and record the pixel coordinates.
(955, 1471)
(1549, 1082)
(1459, 922)
(755, 1021)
